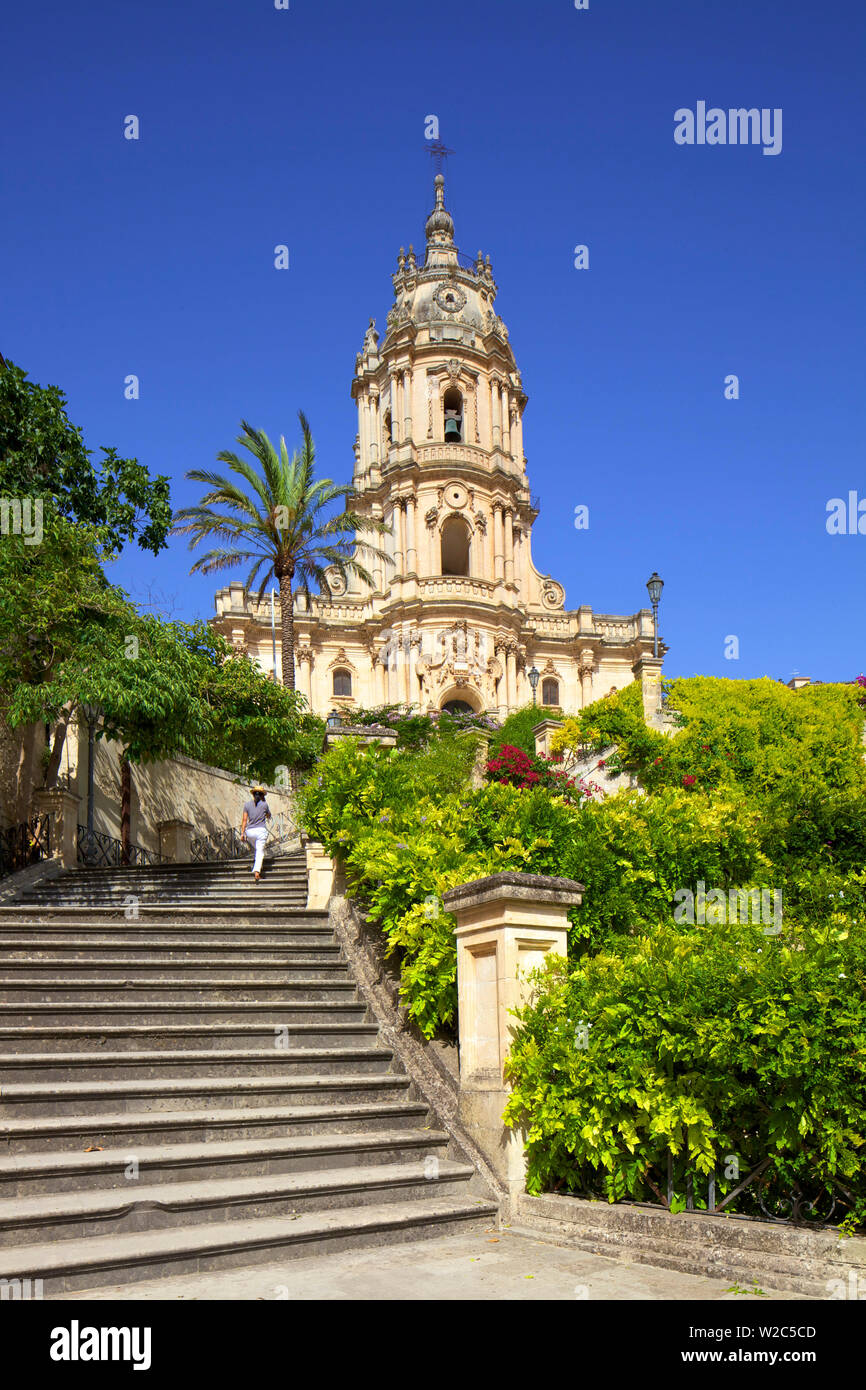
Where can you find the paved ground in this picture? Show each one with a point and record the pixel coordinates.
(507, 1266)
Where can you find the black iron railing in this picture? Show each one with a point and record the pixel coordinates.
(99, 851)
(228, 844)
(25, 844)
(760, 1194)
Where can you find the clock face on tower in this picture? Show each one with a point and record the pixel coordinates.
(450, 298)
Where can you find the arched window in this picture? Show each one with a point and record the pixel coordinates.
(452, 404)
(455, 546)
(342, 682)
(550, 692)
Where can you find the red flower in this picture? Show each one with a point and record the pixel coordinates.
(657, 761)
(601, 763)
(689, 780)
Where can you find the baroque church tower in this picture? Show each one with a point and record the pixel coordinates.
(461, 614)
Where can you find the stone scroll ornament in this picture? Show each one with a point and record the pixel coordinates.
(552, 594)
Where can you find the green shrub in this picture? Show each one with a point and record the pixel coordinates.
(710, 1041)
(516, 731)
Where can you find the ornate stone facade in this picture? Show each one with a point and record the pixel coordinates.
(461, 613)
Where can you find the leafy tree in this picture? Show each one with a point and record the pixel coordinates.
(275, 518)
(42, 454)
(68, 638)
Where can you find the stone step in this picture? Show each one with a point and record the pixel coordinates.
(136, 1207)
(241, 897)
(267, 918)
(90, 1262)
(199, 1063)
(301, 1032)
(76, 1132)
(84, 1097)
(310, 1004)
(244, 968)
(192, 927)
(70, 956)
(155, 990)
(31, 1175)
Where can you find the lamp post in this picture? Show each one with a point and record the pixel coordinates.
(654, 587)
(91, 714)
(534, 677)
(334, 721)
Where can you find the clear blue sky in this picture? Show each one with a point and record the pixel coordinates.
(306, 127)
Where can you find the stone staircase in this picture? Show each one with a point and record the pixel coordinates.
(191, 1080)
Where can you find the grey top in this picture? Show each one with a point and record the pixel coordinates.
(256, 815)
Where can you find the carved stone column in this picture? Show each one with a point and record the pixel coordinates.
(395, 407)
(511, 676)
(411, 554)
(494, 413)
(509, 547)
(506, 424)
(431, 517)
(304, 659)
(585, 668)
(375, 428)
(398, 536)
(498, 543)
(407, 404)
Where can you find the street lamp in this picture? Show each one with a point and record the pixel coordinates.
(655, 586)
(91, 714)
(334, 721)
(534, 678)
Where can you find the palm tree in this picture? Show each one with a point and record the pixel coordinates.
(278, 524)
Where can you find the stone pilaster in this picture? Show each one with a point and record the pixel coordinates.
(506, 925)
(62, 806)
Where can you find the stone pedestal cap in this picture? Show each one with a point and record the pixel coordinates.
(539, 888)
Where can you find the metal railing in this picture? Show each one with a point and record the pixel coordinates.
(228, 844)
(762, 1194)
(99, 851)
(25, 844)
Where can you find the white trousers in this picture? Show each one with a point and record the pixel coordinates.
(257, 835)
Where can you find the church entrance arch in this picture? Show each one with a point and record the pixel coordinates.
(459, 700)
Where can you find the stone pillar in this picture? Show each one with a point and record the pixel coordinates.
(175, 840)
(375, 430)
(511, 678)
(494, 412)
(398, 536)
(506, 423)
(411, 553)
(395, 408)
(498, 543)
(407, 405)
(648, 670)
(363, 428)
(62, 806)
(320, 878)
(543, 733)
(435, 562)
(509, 546)
(506, 925)
(406, 657)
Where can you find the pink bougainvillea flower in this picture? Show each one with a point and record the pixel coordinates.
(689, 780)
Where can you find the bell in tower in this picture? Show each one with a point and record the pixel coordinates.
(453, 406)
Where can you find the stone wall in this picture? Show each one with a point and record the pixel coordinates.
(209, 798)
(20, 770)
